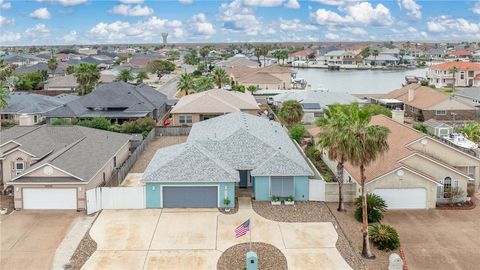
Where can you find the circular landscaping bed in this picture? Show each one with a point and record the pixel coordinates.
(269, 257)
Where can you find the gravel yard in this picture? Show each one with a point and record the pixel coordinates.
(269, 257)
(157, 143)
(352, 229)
(310, 212)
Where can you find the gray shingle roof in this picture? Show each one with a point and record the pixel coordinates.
(24, 102)
(473, 93)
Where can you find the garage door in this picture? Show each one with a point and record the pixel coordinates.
(407, 198)
(49, 198)
(190, 197)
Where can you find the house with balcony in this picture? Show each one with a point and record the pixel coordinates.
(467, 74)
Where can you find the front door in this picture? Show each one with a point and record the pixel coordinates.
(243, 179)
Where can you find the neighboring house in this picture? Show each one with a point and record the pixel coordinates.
(460, 54)
(303, 55)
(423, 103)
(22, 59)
(61, 69)
(416, 172)
(51, 167)
(87, 51)
(437, 128)
(467, 72)
(435, 54)
(341, 57)
(314, 102)
(471, 96)
(269, 77)
(62, 83)
(118, 101)
(205, 105)
(229, 151)
(382, 60)
(238, 60)
(28, 109)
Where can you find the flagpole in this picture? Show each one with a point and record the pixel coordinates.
(251, 235)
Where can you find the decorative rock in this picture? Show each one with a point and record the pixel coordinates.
(395, 262)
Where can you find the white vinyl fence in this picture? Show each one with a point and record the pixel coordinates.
(316, 190)
(115, 198)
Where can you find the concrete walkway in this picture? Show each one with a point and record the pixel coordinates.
(196, 238)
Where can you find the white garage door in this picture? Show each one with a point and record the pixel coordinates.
(49, 198)
(403, 198)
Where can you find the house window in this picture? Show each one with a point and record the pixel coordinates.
(114, 162)
(447, 187)
(19, 166)
(471, 171)
(440, 112)
(462, 75)
(282, 186)
(185, 119)
(35, 118)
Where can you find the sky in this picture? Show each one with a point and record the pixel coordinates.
(58, 22)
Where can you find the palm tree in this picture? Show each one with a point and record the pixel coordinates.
(258, 52)
(284, 55)
(472, 131)
(401, 53)
(220, 77)
(172, 55)
(335, 127)
(87, 76)
(125, 75)
(264, 52)
(367, 143)
(375, 53)
(453, 70)
(12, 82)
(291, 112)
(204, 51)
(52, 65)
(142, 75)
(186, 83)
(203, 84)
(277, 54)
(4, 95)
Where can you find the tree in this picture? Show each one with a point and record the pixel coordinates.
(376, 109)
(160, 66)
(368, 142)
(252, 88)
(203, 84)
(191, 57)
(402, 54)
(365, 52)
(4, 95)
(70, 70)
(291, 112)
(472, 131)
(87, 76)
(375, 53)
(453, 70)
(32, 80)
(220, 77)
(5, 70)
(297, 132)
(264, 52)
(142, 75)
(258, 52)
(12, 82)
(52, 65)
(173, 55)
(204, 52)
(186, 83)
(125, 75)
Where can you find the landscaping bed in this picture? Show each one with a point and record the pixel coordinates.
(352, 229)
(232, 210)
(311, 212)
(83, 252)
(456, 206)
(269, 257)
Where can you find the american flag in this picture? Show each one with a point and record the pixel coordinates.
(242, 229)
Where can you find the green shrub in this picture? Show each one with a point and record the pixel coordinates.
(60, 122)
(384, 237)
(226, 201)
(275, 198)
(97, 122)
(297, 131)
(290, 198)
(375, 208)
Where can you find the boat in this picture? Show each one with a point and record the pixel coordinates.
(461, 140)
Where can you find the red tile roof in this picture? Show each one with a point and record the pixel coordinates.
(459, 65)
(461, 52)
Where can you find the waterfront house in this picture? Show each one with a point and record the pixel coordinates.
(467, 72)
(269, 77)
(341, 57)
(238, 60)
(303, 55)
(471, 96)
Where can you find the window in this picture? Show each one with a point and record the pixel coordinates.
(440, 112)
(282, 186)
(35, 118)
(114, 162)
(471, 171)
(462, 75)
(19, 166)
(447, 187)
(185, 119)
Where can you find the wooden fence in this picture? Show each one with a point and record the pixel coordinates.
(172, 131)
(119, 174)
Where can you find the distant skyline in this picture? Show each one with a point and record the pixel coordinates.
(49, 22)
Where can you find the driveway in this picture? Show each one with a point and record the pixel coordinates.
(29, 238)
(196, 238)
(438, 239)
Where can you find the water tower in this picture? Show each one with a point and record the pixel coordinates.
(164, 36)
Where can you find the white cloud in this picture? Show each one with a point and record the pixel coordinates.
(38, 31)
(6, 21)
(186, 2)
(130, 10)
(458, 25)
(7, 37)
(338, 3)
(354, 30)
(131, 1)
(332, 36)
(293, 4)
(41, 13)
(295, 24)
(65, 2)
(5, 5)
(201, 26)
(263, 3)
(414, 9)
(360, 13)
(476, 8)
(237, 18)
(70, 37)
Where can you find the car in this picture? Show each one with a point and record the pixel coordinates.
(270, 100)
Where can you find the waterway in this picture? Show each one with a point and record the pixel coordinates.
(357, 81)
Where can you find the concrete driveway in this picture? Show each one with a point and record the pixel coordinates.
(196, 238)
(29, 238)
(438, 239)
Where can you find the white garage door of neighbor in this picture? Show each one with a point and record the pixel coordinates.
(49, 198)
(403, 198)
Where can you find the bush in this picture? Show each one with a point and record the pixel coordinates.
(60, 122)
(97, 122)
(375, 208)
(384, 237)
(297, 131)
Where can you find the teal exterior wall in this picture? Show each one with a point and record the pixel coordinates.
(153, 193)
(261, 188)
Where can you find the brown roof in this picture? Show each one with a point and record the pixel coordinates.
(458, 65)
(423, 96)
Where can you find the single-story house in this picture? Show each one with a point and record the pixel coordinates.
(205, 105)
(28, 109)
(269, 77)
(62, 83)
(116, 101)
(236, 150)
(471, 96)
(417, 172)
(51, 167)
(438, 128)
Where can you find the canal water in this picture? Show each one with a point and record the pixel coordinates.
(357, 81)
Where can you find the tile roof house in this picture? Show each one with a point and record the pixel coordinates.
(416, 172)
(440, 76)
(423, 103)
(229, 151)
(269, 77)
(205, 105)
(116, 101)
(28, 109)
(51, 167)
